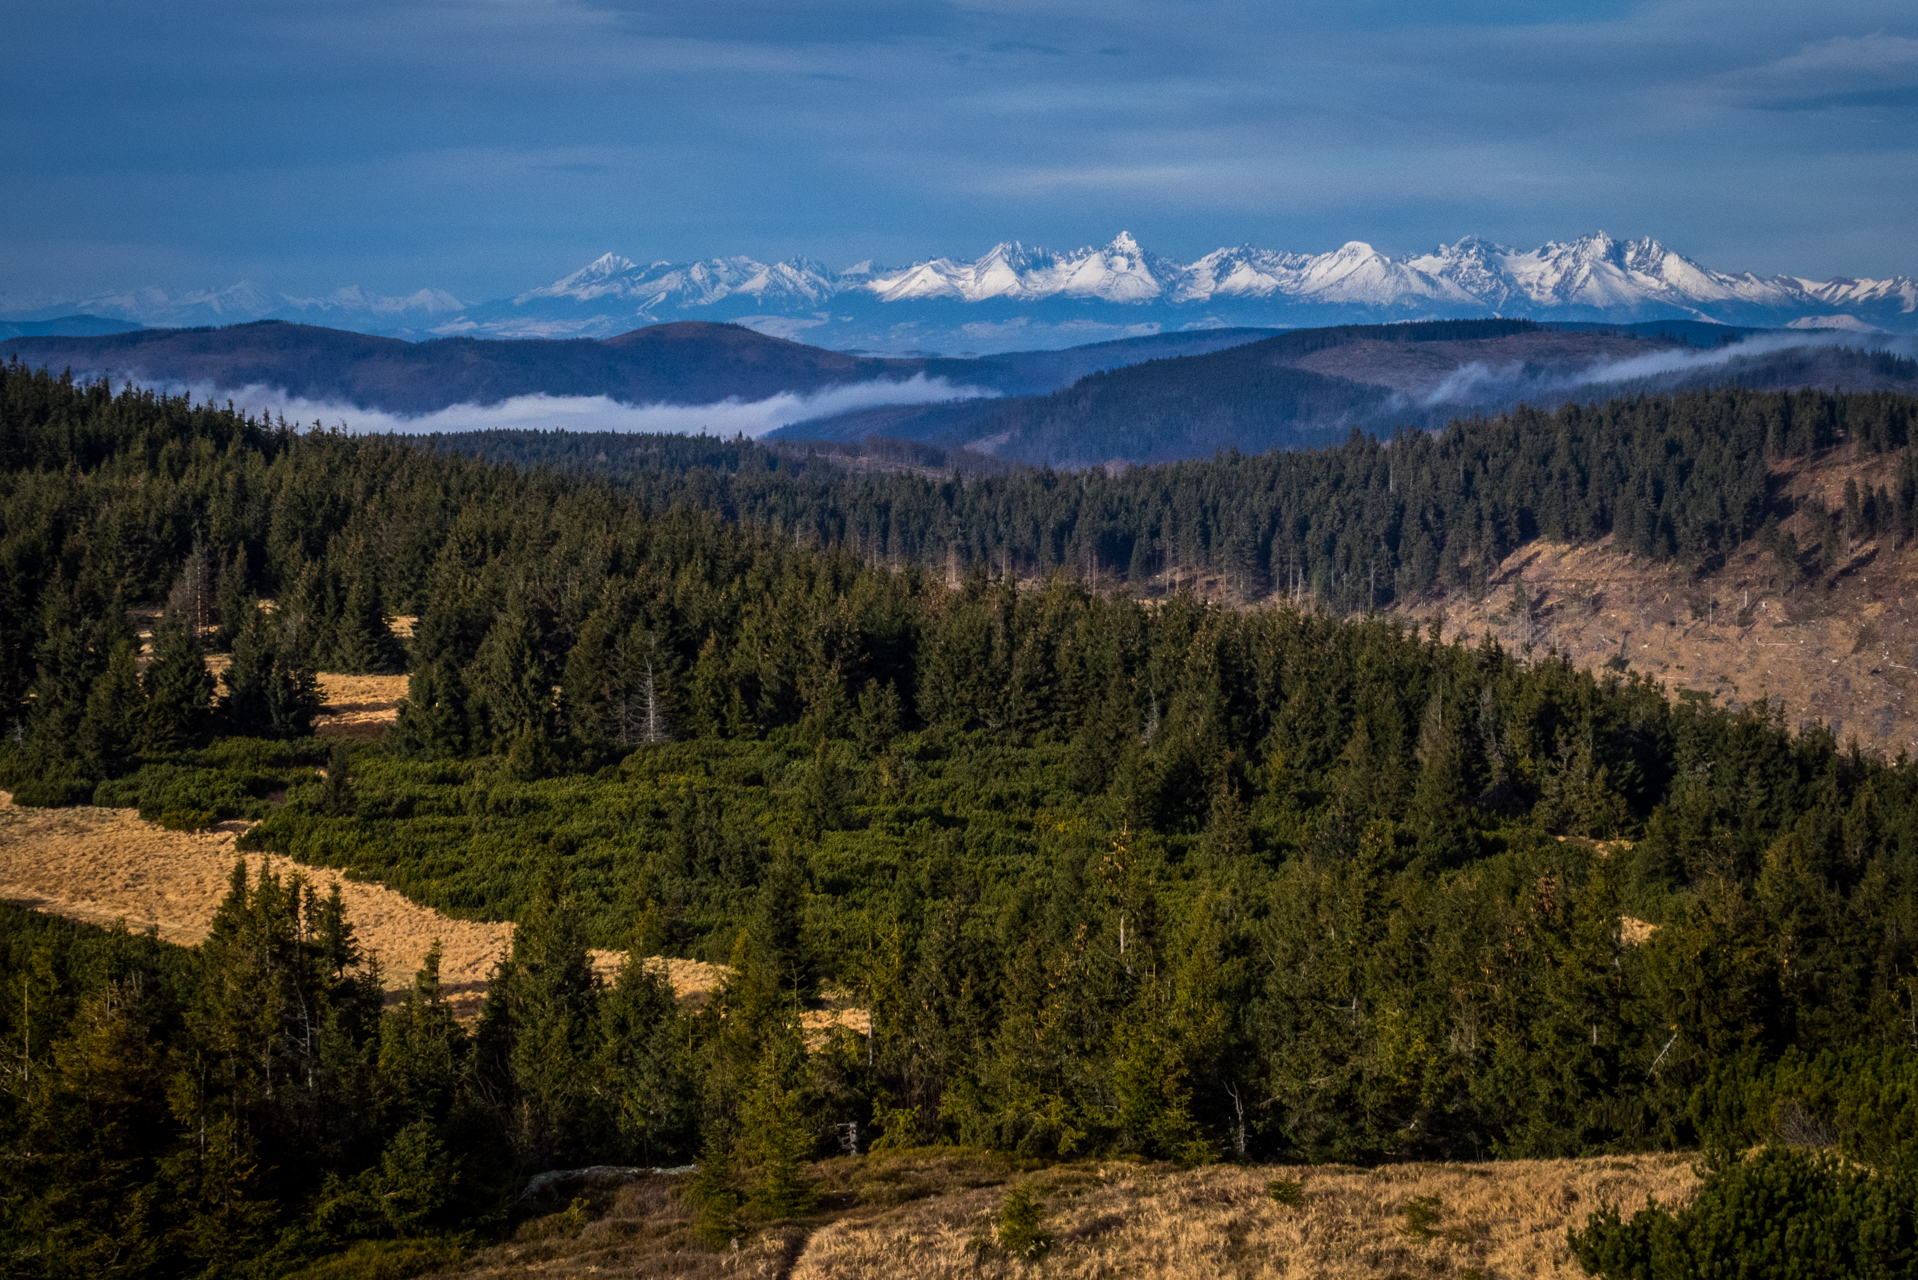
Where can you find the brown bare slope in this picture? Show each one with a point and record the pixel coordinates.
(1838, 647)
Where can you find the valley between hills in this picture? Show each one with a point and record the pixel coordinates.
(841, 868)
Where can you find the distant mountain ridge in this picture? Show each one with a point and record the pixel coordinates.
(1309, 388)
(686, 362)
(1017, 296)
(1119, 284)
(64, 327)
(1150, 399)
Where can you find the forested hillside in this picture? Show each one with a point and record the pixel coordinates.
(1364, 524)
(1167, 879)
(1310, 387)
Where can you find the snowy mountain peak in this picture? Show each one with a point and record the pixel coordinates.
(353, 300)
(604, 267)
(1086, 294)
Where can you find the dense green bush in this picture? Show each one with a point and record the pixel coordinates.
(1776, 1215)
(186, 819)
(54, 793)
(159, 788)
(1860, 1100)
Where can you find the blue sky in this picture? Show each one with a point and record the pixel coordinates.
(482, 146)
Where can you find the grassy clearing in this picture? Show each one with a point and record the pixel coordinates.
(932, 1213)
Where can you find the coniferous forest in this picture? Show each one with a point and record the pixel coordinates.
(1112, 876)
(1361, 525)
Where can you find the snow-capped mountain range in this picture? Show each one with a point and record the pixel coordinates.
(350, 308)
(1017, 296)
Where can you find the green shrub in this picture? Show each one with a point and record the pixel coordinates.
(187, 819)
(1780, 1214)
(261, 755)
(1863, 1101)
(1286, 1191)
(1021, 1219)
(163, 787)
(1422, 1217)
(54, 793)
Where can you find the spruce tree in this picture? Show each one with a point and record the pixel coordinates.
(421, 1048)
(715, 1190)
(432, 717)
(179, 690)
(417, 1178)
(712, 690)
(879, 715)
(822, 791)
(1439, 797)
(271, 687)
(71, 656)
(511, 683)
(336, 790)
(115, 715)
(775, 1139)
(551, 1005)
(642, 1062)
(234, 599)
(362, 642)
(293, 694)
(246, 705)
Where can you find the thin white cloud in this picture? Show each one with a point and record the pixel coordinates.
(1687, 360)
(596, 413)
(1468, 381)
(1480, 384)
(1879, 56)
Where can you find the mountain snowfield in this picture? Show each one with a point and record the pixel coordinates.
(1016, 296)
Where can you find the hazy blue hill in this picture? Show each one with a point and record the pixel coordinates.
(65, 327)
(1311, 386)
(684, 362)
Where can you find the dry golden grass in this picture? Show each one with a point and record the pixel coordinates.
(103, 865)
(106, 865)
(352, 706)
(358, 706)
(1122, 1220)
(930, 1213)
